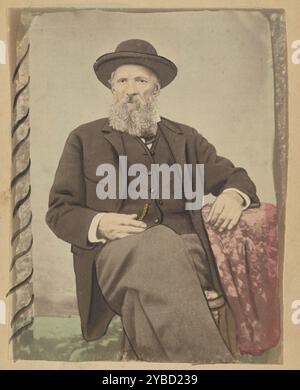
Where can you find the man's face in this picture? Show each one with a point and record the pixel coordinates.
(133, 85)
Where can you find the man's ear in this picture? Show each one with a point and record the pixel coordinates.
(156, 90)
(111, 85)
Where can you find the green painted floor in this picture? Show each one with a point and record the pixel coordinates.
(57, 338)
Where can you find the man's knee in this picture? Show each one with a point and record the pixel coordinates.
(159, 241)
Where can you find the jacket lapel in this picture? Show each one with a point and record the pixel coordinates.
(114, 138)
(176, 140)
(173, 134)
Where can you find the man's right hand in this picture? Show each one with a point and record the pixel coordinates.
(113, 225)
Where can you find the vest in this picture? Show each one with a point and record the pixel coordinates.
(169, 212)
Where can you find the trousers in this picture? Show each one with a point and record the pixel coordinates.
(153, 281)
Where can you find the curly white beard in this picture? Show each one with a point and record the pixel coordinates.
(140, 121)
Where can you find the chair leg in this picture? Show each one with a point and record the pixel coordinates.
(223, 318)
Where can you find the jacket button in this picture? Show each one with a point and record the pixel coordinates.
(160, 202)
(156, 220)
(152, 153)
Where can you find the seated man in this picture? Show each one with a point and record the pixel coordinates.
(148, 259)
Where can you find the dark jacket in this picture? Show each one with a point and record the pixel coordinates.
(73, 201)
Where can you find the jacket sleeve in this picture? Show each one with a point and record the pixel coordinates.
(220, 173)
(67, 216)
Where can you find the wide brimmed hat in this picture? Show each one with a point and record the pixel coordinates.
(137, 52)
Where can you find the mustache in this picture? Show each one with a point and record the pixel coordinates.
(133, 99)
(137, 104)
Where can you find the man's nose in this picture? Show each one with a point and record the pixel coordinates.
(130, 96)
(131, 89)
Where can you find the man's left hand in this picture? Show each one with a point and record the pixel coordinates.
(226, 211)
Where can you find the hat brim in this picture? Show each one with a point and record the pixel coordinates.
(165, 69)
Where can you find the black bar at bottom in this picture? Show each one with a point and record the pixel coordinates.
(134, 378)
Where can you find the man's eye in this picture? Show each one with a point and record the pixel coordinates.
(142, 81)
(122, 80)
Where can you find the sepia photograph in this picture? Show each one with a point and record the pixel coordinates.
(149, 179)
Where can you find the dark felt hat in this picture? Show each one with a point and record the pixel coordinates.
(137, 52)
